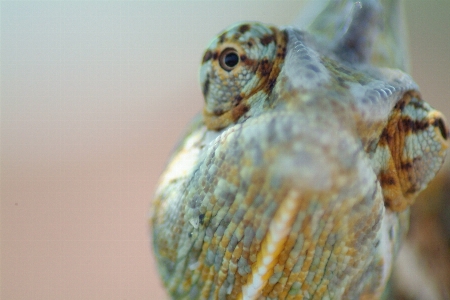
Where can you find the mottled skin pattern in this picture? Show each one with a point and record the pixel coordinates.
(297, 180)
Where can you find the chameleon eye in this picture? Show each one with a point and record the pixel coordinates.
(228, 59)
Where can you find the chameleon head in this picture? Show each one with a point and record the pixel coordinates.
(238, 72)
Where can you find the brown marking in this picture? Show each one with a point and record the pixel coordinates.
(395, 201)
(215, 55)
(390, 179)
(218, 112)
(222, 38)
(386, 179)
(243, 57)
(281, 52)
(208, 55)
(264, 67)
(406, 166)
(206, 86)
(216, 120)
(439, 123)
(391, 184)
(275, 67)
(417, 105)
(406, 125)
(406, 100)
(389, 131)
(244, 28)
(401, 103)
(237, 99)
(249, 62)
(238, 111)
(403, 182)
(270, 85)
(267, 39)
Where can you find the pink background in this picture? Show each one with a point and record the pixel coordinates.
(93, 97)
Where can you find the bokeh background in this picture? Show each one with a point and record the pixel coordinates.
(94, 95)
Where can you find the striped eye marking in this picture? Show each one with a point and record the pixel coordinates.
(239, 70)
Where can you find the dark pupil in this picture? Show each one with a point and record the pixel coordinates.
(231, 59)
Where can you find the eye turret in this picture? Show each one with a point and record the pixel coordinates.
(242, 62)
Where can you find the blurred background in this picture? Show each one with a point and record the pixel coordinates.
(94, 95)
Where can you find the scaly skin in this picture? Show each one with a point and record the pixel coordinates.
(297, 180)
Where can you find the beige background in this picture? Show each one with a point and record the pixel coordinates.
(93, 98)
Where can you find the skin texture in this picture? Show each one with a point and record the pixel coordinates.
(296, 181)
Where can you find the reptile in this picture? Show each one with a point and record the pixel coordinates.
(296, 180)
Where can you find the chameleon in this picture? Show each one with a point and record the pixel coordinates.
(296, 180)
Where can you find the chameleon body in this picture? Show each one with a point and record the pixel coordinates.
(296, 181)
